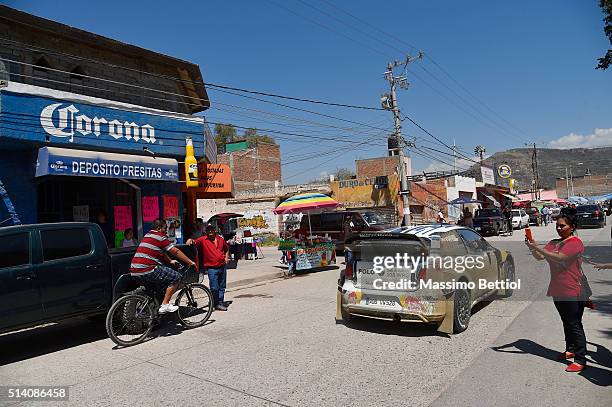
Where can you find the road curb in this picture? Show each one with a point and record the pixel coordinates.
(254, 280)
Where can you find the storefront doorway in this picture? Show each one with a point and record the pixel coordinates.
(67, 199)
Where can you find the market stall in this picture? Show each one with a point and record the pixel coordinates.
(307, 251)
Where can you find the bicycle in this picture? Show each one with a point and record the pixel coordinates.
(132, 317)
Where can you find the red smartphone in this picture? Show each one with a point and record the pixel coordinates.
(528, 234)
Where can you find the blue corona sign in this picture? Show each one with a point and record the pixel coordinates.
(72, 124)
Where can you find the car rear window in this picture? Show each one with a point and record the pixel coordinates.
(586, 208)
(14, 249)
(487, 212)
(63, 243)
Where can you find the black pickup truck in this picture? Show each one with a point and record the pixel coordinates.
(50, 272)
(489, 221)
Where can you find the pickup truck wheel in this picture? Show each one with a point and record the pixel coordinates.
(462, 311)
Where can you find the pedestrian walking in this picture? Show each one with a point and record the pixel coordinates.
(545, 215)
(215, 252)
(507, 214)
(568, 286)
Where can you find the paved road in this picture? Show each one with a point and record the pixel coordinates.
(279, 345)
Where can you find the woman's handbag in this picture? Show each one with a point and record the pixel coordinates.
(585, 288)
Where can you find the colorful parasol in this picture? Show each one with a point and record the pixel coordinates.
(305, 202)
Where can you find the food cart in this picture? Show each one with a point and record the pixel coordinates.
(307, 252)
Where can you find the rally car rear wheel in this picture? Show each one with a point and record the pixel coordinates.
(462, 311)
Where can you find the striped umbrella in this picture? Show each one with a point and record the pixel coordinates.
(305, 202)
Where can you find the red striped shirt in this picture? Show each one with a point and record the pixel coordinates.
(150, 252)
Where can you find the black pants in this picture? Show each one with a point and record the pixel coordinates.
(575, 339)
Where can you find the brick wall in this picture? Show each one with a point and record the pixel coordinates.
(373, 167)
(258, 166)
(432, 196)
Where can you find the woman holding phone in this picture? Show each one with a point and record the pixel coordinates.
(564, 256)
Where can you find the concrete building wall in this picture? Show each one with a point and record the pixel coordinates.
(132, 65)
(459, 186)
(257, 205)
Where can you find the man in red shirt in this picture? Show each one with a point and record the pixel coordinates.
(151, 262)
(215, 251)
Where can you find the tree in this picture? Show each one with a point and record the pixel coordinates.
(252, 137)
(224, 133)
(606, 6)
(342, 174)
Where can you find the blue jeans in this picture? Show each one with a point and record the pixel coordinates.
(217, 278)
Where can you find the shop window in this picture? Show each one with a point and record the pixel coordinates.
(63, 243)
(14, 250)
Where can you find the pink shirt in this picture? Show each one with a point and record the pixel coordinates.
(565, 277)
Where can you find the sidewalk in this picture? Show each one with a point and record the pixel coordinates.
(520, 367)
(256, 271)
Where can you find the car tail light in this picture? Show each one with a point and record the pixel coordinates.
(349, 260)
(422, 273)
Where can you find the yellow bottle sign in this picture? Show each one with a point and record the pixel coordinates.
(191, 165)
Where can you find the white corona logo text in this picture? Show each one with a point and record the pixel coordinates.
(70, 122)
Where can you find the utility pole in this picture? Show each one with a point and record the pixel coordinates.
(454, 156)
(567, 183)
(389, 102)
(535, 180)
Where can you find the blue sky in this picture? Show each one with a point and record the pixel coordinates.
(522, 71)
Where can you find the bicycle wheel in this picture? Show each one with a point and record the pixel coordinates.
(130, 319)
(195, 303)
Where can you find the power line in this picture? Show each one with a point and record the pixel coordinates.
(422, 67)
(204, 84)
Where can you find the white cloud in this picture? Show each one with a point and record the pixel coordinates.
(601, 137)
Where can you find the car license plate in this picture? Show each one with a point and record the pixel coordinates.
(382, 302)
(477, 228)
(585, 216)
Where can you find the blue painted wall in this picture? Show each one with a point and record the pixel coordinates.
(17, 173)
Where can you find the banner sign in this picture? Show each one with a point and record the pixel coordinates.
(64, 161)
(123, 220)
(150, 208)
(170, 206)
(488, 176)
(69, 123)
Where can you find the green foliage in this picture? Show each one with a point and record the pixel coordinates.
(342, 174)
(606, 7)
(224, 133)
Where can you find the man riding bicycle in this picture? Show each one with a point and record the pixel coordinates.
(151, 262)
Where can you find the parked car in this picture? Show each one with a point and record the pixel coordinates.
(489, 221)
(535, 217)
(450, 309)
(520, 219)
(333, 224)
(590, 215)
(55, 271)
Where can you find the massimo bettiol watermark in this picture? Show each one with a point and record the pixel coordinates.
(406, 272)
